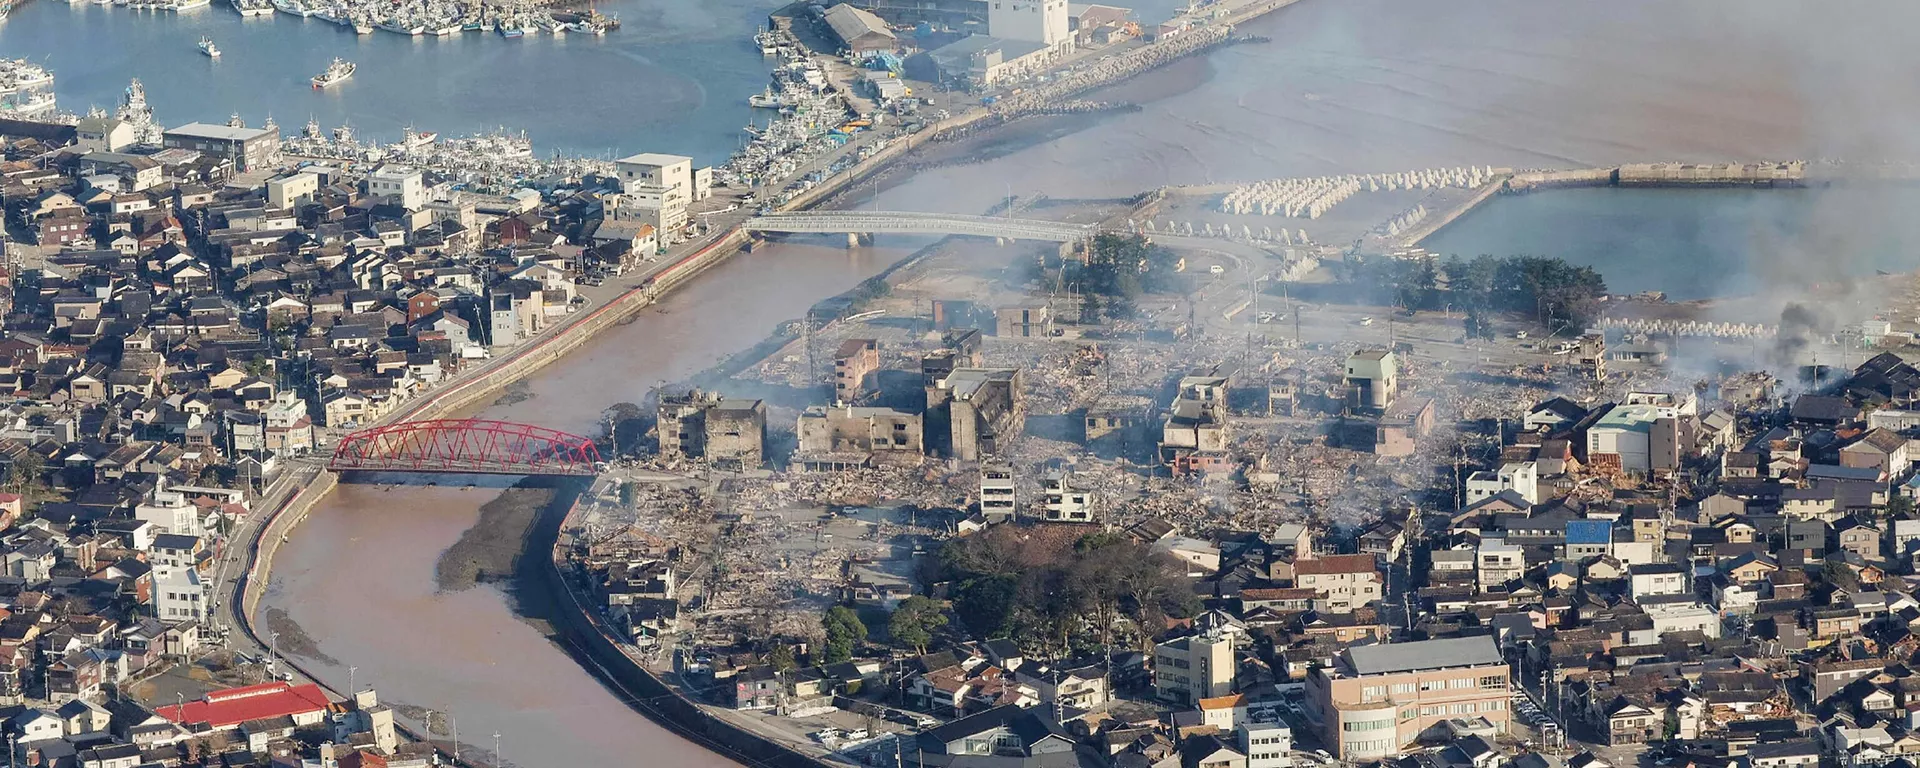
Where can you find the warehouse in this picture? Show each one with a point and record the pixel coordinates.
(859, 31)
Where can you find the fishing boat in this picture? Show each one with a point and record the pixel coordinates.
(362, 26)
(207, 47)
(510, 32)
(336, 72)
(767, 99)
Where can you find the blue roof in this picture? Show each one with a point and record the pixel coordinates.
(1589, 532)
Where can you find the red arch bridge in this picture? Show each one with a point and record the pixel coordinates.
(477, 446)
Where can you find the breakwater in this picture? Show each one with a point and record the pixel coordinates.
(1783, 174)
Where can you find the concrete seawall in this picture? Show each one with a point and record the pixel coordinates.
(581, 630)
(1678, 175)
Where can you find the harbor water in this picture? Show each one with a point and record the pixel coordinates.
(674, 78)
(1344, 86)
(1700, 243)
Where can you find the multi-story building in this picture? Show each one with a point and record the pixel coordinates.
(249, 148)
(1377, 699)
(1266, 743)
(405, 186)
(1188, 669)
(1372, 379)
(1521, 477)
(1341, 582)
(1062, 501)
(851, 364)
(1496, 563)
(1045, 22)
(658, 188)
(998, 498)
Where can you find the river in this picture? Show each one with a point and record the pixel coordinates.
(1345, 86)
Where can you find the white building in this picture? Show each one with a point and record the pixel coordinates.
(1644, 581)
(1522, 477)
(179, 595)
(658, 188)
(169, 511)
(1265, 743)
(1061, 501)
(998, 498)
(103, 134)
(405, 186)
(1038, 21)
(287, 191)
(1625, 432)
(1499, 563)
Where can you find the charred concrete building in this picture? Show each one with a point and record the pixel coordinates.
(1194, 437)
(845, 437)
(701, 425)
(852, 363)
(974, 412)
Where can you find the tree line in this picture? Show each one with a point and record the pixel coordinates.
(1549, 291)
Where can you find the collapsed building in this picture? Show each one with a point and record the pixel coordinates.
(847, 437)
(1194, 437)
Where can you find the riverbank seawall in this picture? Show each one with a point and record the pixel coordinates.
(580, 629)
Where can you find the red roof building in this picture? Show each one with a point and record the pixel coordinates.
(306, 704)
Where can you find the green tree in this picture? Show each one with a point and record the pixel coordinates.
(986, 604)
(781, 657)
(844, 632)
(914, 622)
(1899, 507)
(26, 470)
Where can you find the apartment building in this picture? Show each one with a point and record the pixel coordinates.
(1376, 699)
(1195, 667)
(1342, 582)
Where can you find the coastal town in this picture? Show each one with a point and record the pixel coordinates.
(1188, 486)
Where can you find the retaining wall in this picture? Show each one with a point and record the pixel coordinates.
(580, 626)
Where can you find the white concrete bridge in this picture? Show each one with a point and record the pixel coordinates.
(907, 222)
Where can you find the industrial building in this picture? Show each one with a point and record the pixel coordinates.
(249, 148)
(858, 29)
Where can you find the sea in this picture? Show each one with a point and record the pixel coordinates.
(1701, 243)
(674, 78)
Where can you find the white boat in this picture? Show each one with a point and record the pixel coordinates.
(767, 99)
(336, 72)
(362, 27)
(207, 47)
